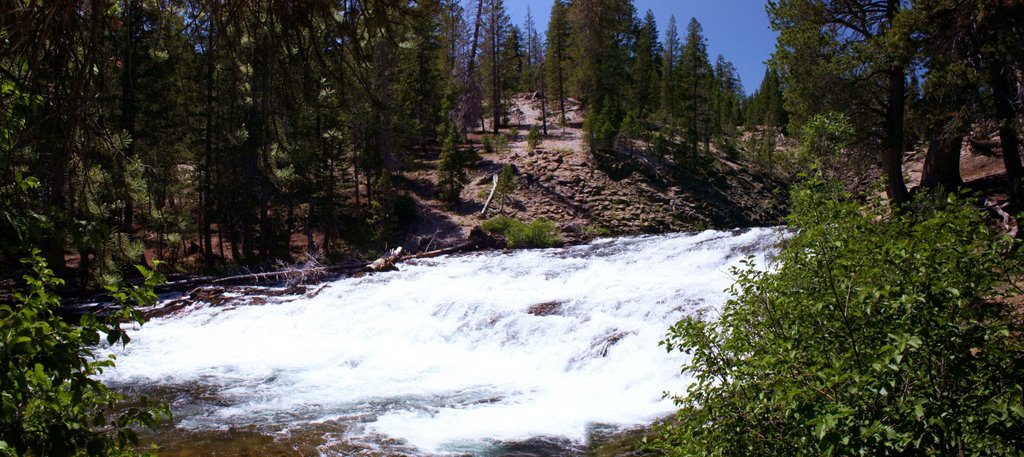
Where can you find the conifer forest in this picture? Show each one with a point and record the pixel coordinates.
(199, 143)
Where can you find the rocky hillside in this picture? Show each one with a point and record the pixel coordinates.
(559, 181)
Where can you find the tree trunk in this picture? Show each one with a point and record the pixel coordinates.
(207, 162)
(470, 64)
(1006, 116)
(266, 238)
(328, 210)
(495, 61)
(308, 229)
(892, 155)
(561, 82)
(494, 186)
(543, 100)
(128, 109)
(942, 164)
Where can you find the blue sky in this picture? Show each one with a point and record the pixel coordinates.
(736, 29)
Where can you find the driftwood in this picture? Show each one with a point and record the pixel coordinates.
(386, 263)
(494, 186)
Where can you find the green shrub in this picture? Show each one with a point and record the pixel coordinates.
(597, 231)
(536, 234)
(823, 139)
(487, 144)
(506, 186)
(51, 403)
(876, 334)
(494, 143)
(500, 143)
(451, 169)
(406, 213)
(498, 224)
(533, 138)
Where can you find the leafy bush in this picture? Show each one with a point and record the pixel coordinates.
(823, 138)
(498, 224)
(539, 233)
(875, 334)
(51, 404)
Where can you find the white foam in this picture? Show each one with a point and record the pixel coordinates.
(444, 352)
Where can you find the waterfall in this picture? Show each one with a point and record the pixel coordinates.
(449, 354)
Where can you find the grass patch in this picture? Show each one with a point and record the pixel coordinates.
(539, 233)
(597, 231)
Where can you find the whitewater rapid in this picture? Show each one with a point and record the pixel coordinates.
(453, 353)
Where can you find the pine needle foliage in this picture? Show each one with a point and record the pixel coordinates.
(533, 138)
(874, 333)
(451, 169)
(506, 186)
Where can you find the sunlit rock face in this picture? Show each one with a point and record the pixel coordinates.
(449, 355)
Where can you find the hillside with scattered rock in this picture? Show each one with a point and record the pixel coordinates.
(560, 181)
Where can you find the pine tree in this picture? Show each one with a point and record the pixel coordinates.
(498, 59)
(600, 44)
(696, 82)
(534, 75)
(670, 85)
(505, 187)
(841, 56)
(532, 54)
(726, 99)
(558, 61)
(451, 172)
(645, 67)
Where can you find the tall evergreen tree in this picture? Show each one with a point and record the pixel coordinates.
(670, 72)
(765, 106)
(646, 67)
(533, 53)
(695, 81)
(600, 44)
(534, 77)
(557, 60)
(726, 98)
(495, 67)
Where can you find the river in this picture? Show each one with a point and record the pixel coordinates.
(460, 355)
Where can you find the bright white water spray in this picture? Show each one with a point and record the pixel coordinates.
(454, 353)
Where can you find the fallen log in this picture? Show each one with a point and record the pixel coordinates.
(74, 307)
(386, 263)
(494, 186)
(299, 275)
(478, 240)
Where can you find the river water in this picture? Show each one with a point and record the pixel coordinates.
(456, 355)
